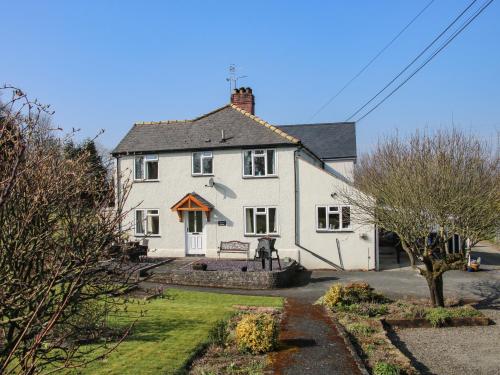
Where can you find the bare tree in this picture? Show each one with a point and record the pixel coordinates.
(56, 276)
(426, 189)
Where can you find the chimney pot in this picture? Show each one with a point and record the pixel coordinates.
(243, 98)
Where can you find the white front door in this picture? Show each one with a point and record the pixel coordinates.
(195, 235)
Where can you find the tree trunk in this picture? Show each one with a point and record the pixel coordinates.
(434, 281)
(435, 284)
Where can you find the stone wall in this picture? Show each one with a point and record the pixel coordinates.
(230, 279)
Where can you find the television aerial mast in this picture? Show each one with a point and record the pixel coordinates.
(233, 78)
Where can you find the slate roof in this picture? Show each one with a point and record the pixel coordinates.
(241, 129)
(328, 140)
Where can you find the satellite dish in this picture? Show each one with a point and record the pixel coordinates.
(210, 182)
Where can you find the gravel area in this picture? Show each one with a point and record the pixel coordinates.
(459, 350)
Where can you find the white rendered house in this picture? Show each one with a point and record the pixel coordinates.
(229, 175)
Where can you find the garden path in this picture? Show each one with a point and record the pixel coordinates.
(310, 343)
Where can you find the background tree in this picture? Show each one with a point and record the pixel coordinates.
(426, 189)
(56, 277)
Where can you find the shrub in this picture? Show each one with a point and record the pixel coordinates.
(219, 333)
(333, 296)
(360, 329)
(353, 293)
(257, 333)
(437, 316)
(366, 309)
(384, 368)
(464, 312)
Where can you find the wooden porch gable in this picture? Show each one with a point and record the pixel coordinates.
(192, 202)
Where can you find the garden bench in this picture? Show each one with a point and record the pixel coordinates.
(235, 247)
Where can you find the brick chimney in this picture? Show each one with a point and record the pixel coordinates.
(244, 99)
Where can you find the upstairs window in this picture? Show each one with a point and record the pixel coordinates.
(261, 221)
(333, 218)
(147, 222)
(259, 163)
(202, 163)
(146, 167)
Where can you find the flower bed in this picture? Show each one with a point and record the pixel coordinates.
(368, 319)
(240, 344)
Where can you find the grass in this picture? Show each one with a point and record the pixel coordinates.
(172, 331)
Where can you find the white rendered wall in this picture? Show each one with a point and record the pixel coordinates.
(230, 194)
(357, 246)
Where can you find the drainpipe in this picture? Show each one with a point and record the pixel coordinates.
(297, 213)
(118, 189)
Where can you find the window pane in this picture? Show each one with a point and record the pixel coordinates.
(333, 209)
(321, 217)
(197, 162)
(247, 163)
(261, 224)
(346, 217)
(260, 166)
(270, 161)
(139, 162)
(151, 157)
(152, 170)
(198, 221)
(333, 221)
(272, 220)
(153, 224)
(191, 222)
(152, 212)
(249, 220)
(139, 222)
(207, 165)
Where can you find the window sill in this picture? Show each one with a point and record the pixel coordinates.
(142, 181)
(203, 175)
(257, 177)
(147, 235)
(261, 235)
(334, 231)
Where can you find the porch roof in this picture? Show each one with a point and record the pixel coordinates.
(192, 202)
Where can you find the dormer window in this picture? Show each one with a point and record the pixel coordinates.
(202, 163)
(146, 168)
(259, 163)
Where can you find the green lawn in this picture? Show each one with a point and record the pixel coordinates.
(171, 331)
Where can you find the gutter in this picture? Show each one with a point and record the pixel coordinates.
(297, 214)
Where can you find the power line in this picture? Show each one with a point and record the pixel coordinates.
(448, 41)
(413, 61)
(371, 61)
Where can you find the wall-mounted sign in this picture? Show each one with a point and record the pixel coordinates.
(221, 223)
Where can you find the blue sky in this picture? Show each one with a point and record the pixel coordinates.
(107, 64)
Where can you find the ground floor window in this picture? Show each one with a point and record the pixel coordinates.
(147, 222)
(261, 220)
(332, 218)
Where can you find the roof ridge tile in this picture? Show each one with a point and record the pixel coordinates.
(273, 128)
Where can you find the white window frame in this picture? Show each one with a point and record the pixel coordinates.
(266, 208)
(202, 173)
(266, 174)
(147, 158)
(145, 215)
(327, 211)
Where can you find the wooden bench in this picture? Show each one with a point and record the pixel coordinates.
(235, 247)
